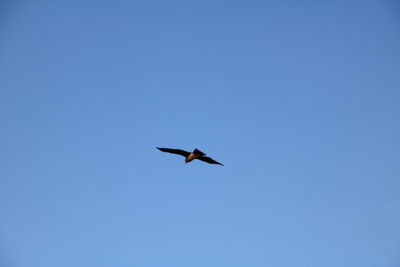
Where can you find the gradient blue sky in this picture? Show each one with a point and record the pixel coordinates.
(299, 99)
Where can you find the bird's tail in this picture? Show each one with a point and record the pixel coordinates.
(198, 152)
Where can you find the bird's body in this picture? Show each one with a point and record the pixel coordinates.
(189, 156)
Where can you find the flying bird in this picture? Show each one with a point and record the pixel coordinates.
(189, 156)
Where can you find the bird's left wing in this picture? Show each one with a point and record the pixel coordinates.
(174, 151)
(209, 160)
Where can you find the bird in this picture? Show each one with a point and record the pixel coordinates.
(189, 156)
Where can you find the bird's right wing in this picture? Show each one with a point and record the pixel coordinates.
(209, 160)
(174, 151)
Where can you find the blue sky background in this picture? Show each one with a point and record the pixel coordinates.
(299, 100)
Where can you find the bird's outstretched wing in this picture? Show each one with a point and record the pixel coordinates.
(174, 151)
(209, 160)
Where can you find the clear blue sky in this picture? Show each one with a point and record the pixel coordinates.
(299, 99)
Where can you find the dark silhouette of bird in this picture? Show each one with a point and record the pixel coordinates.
(189, 156)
